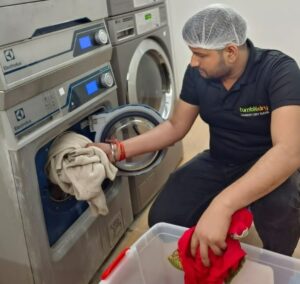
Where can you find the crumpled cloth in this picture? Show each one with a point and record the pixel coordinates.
(79, 170)
(221, 267)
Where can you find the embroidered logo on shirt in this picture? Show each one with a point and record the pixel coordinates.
(254, 110)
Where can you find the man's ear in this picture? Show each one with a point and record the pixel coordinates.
(231, 52)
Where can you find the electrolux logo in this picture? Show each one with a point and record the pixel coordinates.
(10, 59)
(9, 54)
(22, 121)
(20, 114)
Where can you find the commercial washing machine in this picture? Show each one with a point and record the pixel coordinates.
(49, 84)
(142, 63)
(59, 80)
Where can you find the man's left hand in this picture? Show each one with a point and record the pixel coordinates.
(211, 231)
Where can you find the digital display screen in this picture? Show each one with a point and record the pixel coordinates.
(85, 42)
(91, 87)
(148, 16)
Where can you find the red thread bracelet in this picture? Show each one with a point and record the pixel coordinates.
(122, 151)
(120, 147)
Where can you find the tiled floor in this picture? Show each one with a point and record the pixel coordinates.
(196, 141)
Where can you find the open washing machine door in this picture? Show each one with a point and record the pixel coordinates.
(126, 122)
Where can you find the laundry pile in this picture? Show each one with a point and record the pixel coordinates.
(79, 170)
(222, 268)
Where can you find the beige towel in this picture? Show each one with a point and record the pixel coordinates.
(80, 171)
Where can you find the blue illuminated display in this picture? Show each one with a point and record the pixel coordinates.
(91, 87)
(85, 42)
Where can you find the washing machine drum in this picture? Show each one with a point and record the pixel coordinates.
(126, 122)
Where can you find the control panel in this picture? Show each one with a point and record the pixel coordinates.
(122, 28)
(88, 87)
(61, 100)
(147, 20)
(35, 57)
(90, 39)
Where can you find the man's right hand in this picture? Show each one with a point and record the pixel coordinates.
(104, 147)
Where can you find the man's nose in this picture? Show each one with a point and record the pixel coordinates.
(194, 61)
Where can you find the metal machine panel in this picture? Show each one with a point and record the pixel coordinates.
(52, 61)
(55, 73)
(116, 7)
(125, 27)
(14, 260)
(49, 237)
(61, 100)
(40, 54)
(23, 21)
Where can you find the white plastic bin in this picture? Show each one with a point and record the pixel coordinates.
(146, 262)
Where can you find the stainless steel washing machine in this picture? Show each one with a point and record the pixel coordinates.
(50, 83)
(59, 80)
(142, 64)
(49, 236)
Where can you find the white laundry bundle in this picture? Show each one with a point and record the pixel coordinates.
(79, 170)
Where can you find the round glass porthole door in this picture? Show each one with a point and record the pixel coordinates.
(126, 122)
(150, 78)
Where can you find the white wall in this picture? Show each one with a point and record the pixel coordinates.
(271, 24)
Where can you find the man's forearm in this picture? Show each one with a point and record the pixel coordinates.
(157, 138)
(164, 134)
(271, 170)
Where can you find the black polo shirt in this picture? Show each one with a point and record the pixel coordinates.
(239, 119)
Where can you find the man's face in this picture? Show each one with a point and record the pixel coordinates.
(211, 63)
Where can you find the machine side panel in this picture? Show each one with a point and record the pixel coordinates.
(14, 260)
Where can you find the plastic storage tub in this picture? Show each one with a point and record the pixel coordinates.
(146, 262)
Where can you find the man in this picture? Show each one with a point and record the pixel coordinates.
(250, 98)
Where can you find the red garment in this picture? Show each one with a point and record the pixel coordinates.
(196, 273)
(241, 220)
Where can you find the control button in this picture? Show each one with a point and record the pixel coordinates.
(101, 37)
(107, 80)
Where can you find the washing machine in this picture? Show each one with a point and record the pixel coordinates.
(49, 83)
(142, 63)
(60, 80)
(49, 236)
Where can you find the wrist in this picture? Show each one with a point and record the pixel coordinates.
(113, 152)
(226, 206)
(117, 151)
